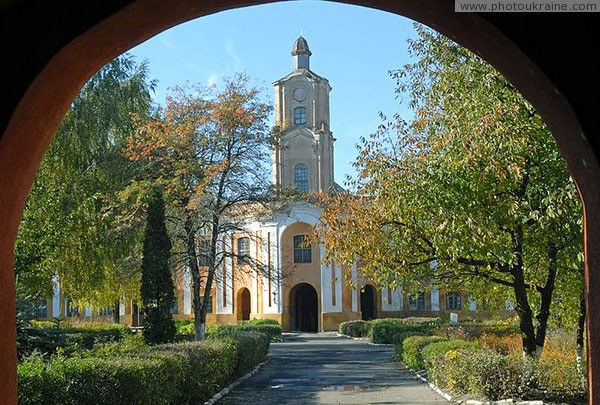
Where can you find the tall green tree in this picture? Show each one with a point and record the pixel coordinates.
(157, 280)
(209, 149)
(72, 225)
(472, 193)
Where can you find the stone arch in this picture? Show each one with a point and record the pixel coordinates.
(304, 308)
(33, 111)
(243, 303)
(368, 302)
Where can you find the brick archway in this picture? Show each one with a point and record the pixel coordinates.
(35, 109)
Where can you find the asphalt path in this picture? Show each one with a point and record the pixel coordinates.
(327, 369)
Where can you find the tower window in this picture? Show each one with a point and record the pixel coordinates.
(243, 250)
(453, 301)
(299, 115)
(301, 177)
(302, 251)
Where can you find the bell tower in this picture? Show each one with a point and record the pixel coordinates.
(303, 159)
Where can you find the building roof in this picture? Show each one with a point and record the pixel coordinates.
(301, 47)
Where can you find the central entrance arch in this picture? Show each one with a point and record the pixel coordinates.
(243, 305)
(304, 308)
(368, 303)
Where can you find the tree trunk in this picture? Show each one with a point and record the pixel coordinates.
(116, 317)
(190, 234)
(523, 308)
(580, 336)
(546, 293)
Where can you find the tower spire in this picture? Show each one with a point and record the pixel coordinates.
(301, 54)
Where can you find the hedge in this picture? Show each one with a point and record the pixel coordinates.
(260, 322)
(272, 331)
(182, 373)
(401, 337)
(389, 330)
(358, 328)
(464, 369)
(48, 340)
(411, 349)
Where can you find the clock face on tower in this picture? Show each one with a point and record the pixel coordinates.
(299, 94)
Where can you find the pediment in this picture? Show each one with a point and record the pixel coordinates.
(297, 134)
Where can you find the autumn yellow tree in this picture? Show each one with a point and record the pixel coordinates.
(208, 149)
(472, 193)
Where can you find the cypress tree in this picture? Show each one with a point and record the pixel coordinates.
(157, 282)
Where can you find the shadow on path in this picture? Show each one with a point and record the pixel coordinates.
(326, 369)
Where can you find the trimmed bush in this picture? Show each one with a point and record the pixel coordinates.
(184, 373)
(272, 331)
(435, 361)
(358, 328)
(411, 350)
(433, 350)
(388, 330)
(260, 322)
(398, 348)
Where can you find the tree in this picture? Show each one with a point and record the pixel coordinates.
(71, 226)
(472, 193)
(209, 149)
(157, 281)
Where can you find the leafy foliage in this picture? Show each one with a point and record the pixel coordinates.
(72, 225)
(207, 149)
(471, 195)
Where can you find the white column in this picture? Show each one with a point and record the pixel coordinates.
(435, 299)
(396, 304)
(255, 273)
(472, 304)
(55, 297)
(338, 289)
(326, 303)
(354, 291)
(223, 276)
(276, 304)
(187, 291)
(277, 257)
(121, 308)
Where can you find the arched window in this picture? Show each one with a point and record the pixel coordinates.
(302, 251)
(301, 177)
(243, 250)
(453, 301)
(299, 115)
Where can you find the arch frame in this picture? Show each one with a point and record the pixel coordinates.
(44, 103)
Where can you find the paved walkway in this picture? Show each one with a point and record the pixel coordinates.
(326, 369)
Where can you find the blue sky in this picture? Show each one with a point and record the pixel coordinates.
(354, 47)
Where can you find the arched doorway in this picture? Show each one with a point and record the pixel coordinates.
(243, 305)
(305, 308)
(368, 302)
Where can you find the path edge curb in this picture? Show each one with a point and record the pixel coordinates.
(234, 384)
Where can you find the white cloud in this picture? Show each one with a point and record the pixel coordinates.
(167, 43)
(213, 78)
(229, 47)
